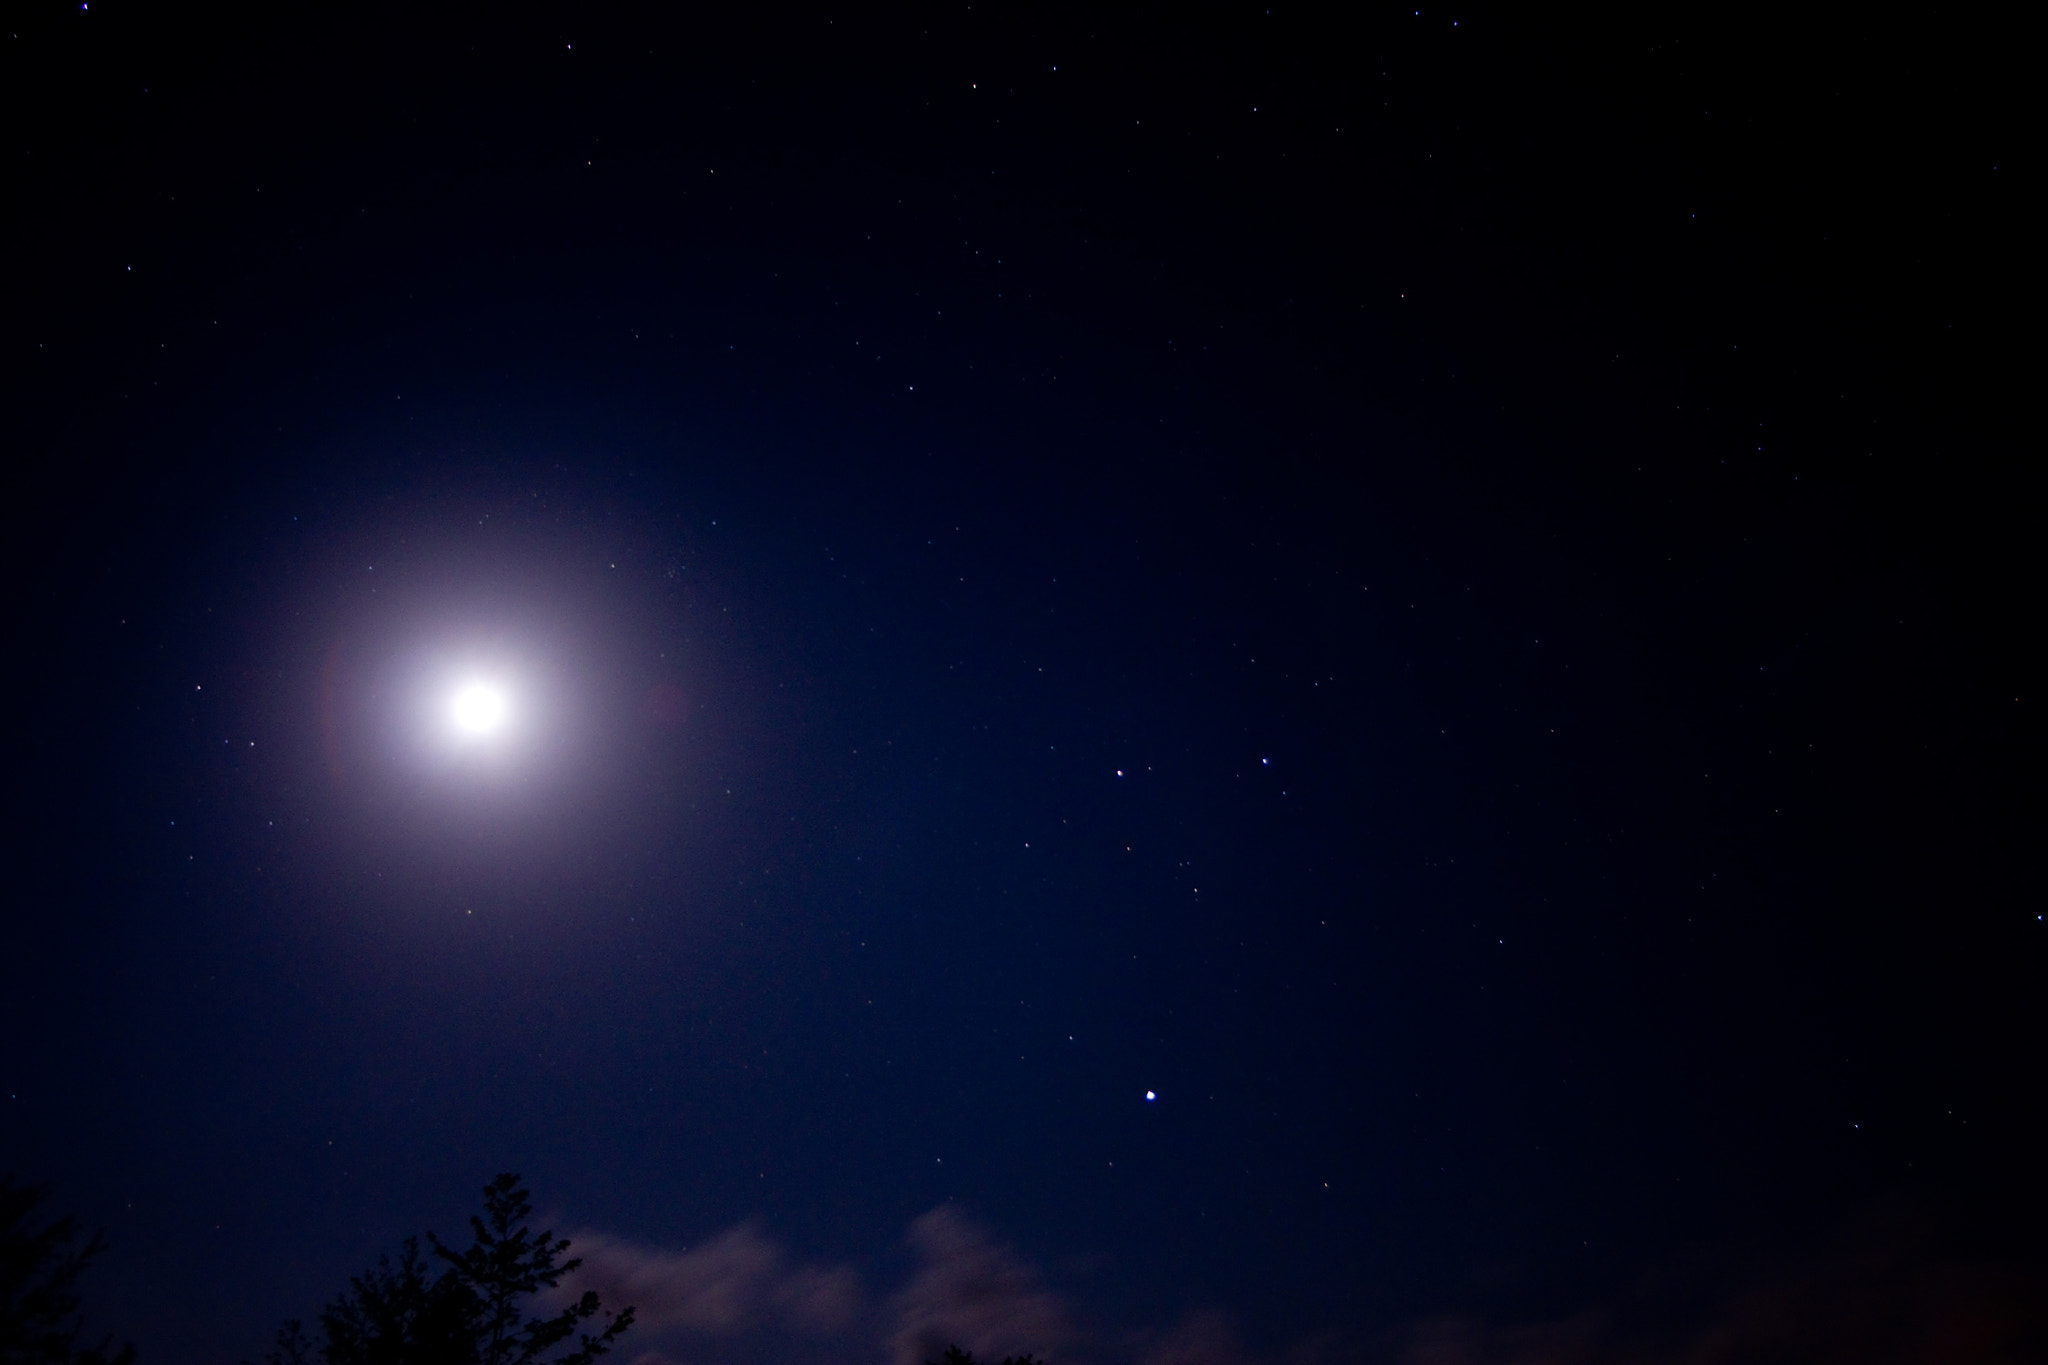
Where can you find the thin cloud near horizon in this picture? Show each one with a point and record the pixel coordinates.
(1879, 1283)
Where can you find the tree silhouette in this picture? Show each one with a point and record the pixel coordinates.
(397, 1315)
(471, 1313)
(955, 1356)
(504, 1265)
(39, 1268)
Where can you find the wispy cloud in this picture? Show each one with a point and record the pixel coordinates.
(972, 1290)
(968, 1289)
(1200, 1339)
(739, 1281)
(1880, 1294)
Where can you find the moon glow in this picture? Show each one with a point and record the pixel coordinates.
(478, 709)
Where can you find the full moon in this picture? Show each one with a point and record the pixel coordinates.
(478, 708)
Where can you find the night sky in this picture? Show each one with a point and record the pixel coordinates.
(1214, 686)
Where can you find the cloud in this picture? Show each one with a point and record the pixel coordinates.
(1880, 1295)
(971, 1290)
(1882, 1291)
(1200, 1339)
(1457, 1341)
(739, 1281)
(968, 1289)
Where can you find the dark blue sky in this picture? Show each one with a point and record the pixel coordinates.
(1439, 596)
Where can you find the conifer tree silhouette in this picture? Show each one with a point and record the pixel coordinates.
(471, 1313)
(955, 1356)
(503, 1266)
(40, 1263)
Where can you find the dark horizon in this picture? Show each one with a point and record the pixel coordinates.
(1300, 688)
